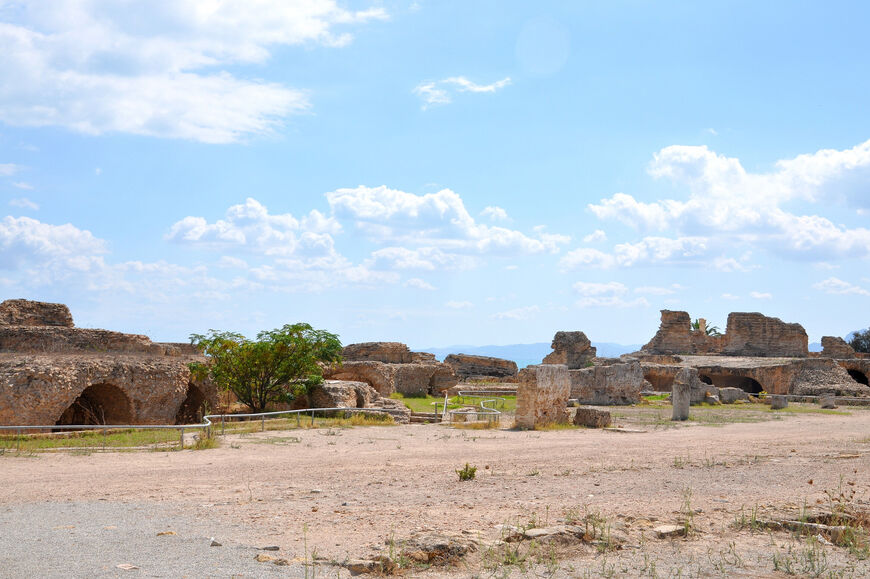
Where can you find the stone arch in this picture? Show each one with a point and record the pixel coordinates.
(98, 404)
(745, 383)
(189, 410)
(660, 381)
(859, 376)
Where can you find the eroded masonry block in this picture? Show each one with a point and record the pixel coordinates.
(572, 349)
(542, 395)
(681, 395)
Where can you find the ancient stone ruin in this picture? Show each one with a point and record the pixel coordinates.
(542, 396)
(391, 367)
(756, 354)
(53, 373)
(468, 367)
(573, 349)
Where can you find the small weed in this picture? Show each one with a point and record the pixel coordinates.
(688, 512)
(467, 473)
(204, 443)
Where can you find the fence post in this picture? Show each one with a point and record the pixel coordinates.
(181, 441)
(223, 425)
(312, 417)
(18, 438)
(262, 424)
(298, 420)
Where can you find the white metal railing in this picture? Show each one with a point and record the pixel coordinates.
(206, 424)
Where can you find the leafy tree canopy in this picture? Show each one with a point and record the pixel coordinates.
(710, 330)
(278, 366)
(860, 341)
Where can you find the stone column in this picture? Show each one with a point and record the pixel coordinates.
(681, 394)
(778, 402)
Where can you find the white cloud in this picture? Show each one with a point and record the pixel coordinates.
(730, 297)
(648, 251)
(229, 262)
(761, 295)
(494, 213)
(440, 92)
(459, 305)
(158, 68)
(596, 289)
(610, 294)
(8, 169)
(249, 226)
(836, 286)
(417, 283)
(733, 208)
(596, 236)
(26, 242)
(23, 185)
(23, 203)
(434, 220)
(523, 313)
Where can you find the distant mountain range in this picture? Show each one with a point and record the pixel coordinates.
(526, 354)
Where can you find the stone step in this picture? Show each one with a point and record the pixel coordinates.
(424, 417)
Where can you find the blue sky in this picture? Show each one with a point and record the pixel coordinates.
(436, 172)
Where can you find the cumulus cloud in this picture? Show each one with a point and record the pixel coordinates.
(459, 305)
(441, 92)
(730, 207)
(28, 242)
(494, 213)
(435, 220)
(836, 286)
(647, 251)
(761, 295)
(249, 226)
(595, 237)
(159, 68)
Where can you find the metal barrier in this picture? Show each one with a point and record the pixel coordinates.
(206, 423)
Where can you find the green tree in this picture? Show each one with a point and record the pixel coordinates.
(278, 366)
(860, 341)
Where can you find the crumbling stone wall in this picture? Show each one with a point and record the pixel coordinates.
(619, 382)
(467, 366)
(754, 334)
(419, 374)
(51, 371)
(836, 347)
(387, 352)
(573, 349)
(542, 395)
(30, 313)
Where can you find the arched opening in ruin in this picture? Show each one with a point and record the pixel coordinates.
(859, 376)
(190, 411)
(98, 404)
(660, 382)
(745, 383)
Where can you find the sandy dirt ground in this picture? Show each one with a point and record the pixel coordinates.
(344, 492)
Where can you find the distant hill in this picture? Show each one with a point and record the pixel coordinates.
(526, 354)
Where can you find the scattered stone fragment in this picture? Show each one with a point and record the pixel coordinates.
(165, 533)
(264, 558)
(281, 562)
(827, 402)
(270, 548)
(215, 543)
(778, 402)
(592, 417)
(126, 566)
(730, 395)
(381, 565)
(669, 531)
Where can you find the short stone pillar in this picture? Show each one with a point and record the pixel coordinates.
(542, 395)
(681, 394)
(778, 402)
(827, 401)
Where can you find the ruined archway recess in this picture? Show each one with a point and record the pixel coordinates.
(745, 383)
(859, 377)
(189, 411)
(98, 404)
(660, 382)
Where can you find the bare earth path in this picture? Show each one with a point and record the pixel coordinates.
(348, 490)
